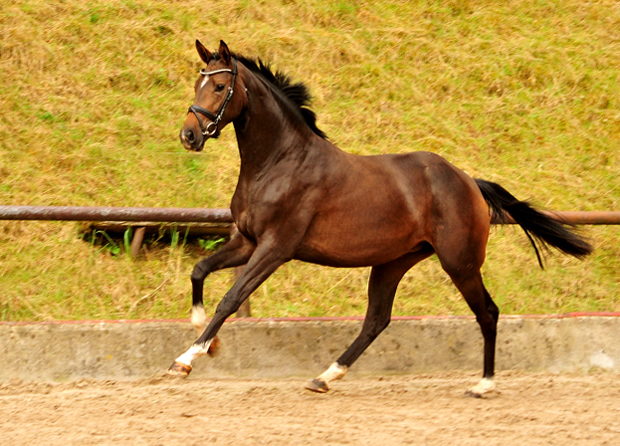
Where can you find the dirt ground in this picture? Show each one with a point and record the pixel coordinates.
(532, 409)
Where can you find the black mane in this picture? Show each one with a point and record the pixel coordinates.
(297, 93)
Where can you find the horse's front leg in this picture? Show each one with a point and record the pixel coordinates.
(236, 252)
(262, 264)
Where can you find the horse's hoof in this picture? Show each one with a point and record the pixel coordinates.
(470, 393)
(179, 369)
(317, 385)
(484, 387)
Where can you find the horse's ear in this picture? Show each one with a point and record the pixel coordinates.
(204, 53)
(225, 52)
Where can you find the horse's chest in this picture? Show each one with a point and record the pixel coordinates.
(257, 205)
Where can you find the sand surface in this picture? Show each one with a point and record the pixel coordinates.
(532, 409)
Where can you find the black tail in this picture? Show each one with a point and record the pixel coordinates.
(540, 229)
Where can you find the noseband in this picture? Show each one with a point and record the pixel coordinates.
(211, 129)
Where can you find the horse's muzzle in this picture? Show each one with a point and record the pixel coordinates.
(191, 140)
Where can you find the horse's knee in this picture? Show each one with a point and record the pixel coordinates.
(201, 270)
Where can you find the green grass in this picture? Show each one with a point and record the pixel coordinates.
(93, 95)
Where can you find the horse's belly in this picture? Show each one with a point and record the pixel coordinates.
(351, 244)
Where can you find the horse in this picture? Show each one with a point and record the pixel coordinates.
(300, 197)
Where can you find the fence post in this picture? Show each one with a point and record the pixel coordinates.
(136, 242)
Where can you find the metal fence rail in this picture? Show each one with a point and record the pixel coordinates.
(205, 215)
(140, 218)
(86, 213)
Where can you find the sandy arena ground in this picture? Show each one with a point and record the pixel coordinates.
(532, 409)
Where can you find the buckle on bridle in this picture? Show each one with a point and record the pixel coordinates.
(207, 131)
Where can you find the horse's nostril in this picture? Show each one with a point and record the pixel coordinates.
(189, 135)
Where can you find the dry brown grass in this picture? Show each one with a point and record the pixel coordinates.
(92, 96)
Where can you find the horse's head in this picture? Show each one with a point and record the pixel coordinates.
(215, 103)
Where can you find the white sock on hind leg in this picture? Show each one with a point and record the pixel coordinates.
(485, 385)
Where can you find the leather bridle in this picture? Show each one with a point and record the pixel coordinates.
(211, 128)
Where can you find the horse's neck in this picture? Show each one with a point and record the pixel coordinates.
(268, 132)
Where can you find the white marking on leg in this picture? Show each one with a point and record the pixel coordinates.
(199, 319)
(195, 351)
(333, 373)
(485, 385)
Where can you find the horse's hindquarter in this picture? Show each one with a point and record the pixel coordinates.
(372, 210)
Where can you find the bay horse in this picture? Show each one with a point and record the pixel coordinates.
(300, 197)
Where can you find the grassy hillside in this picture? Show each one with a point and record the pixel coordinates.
(92, 95)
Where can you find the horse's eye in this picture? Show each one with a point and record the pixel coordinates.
(219, 87)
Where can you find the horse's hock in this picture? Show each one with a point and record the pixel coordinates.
(303, 348)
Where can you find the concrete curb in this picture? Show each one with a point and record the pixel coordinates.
(279, 348)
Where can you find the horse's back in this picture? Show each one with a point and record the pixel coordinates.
(428, 177)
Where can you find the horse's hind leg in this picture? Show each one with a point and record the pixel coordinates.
(382, 286)
(477, 297)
